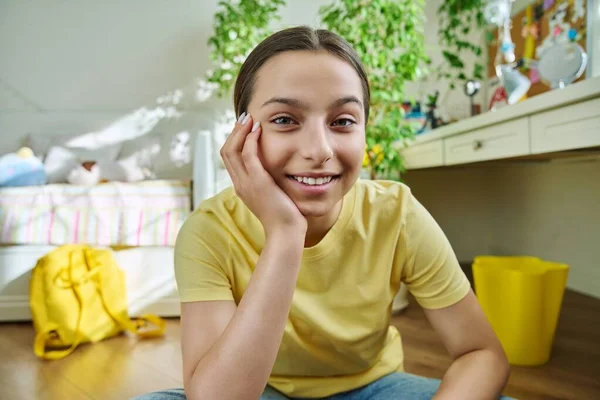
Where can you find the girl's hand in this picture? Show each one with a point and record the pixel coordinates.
(254, 185)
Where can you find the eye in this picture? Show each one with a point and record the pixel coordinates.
(343, 122)
(282, 121)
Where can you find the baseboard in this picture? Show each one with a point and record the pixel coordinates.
(16, 308)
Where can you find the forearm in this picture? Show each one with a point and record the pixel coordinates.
(480, 374)
(239, 363)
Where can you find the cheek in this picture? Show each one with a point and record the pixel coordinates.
(272, 152)
(351, 151)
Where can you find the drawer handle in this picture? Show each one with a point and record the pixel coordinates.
(477, 144)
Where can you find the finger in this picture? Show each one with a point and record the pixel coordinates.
(225, 157)
(235, 141)
(233, 146)
(232, 173)
(250, 153)
(231, 150)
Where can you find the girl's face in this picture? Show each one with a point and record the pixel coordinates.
(310, 106)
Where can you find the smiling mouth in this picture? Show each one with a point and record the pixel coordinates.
(312, 181)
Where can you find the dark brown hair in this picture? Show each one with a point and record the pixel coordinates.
(295, 39)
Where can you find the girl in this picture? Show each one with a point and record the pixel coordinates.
(287, 279)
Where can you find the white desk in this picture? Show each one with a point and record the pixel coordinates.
(556, 121)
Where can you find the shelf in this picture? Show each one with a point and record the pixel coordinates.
(558, 124)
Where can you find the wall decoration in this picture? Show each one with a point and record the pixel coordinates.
(548, 4)
(537, 28)
(558, 29)
(530, 34)
(561, 64)
(515, 84)
(578, 10)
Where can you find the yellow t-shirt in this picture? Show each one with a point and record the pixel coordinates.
(338, 335)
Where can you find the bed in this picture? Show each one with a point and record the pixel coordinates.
(146, 213)
(139, 221)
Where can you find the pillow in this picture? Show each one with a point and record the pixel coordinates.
(125, 170)
(61, 160)
(87, 174)
(41, 143)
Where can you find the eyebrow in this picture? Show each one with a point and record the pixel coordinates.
(295, 103)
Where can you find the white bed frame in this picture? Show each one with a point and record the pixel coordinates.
(149, 271)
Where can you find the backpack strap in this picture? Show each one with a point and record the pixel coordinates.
(137, 326)
(44, 335)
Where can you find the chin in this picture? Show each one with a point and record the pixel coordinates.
(315, 205)
(315, 209)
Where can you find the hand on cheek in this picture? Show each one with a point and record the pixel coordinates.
(253, 184)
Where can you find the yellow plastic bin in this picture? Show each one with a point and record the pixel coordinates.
(522, 298)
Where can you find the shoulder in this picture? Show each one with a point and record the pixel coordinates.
(212, 216)
(382, 205)
(383, 188)
(383, 194)
(221, 206)
(223, 202)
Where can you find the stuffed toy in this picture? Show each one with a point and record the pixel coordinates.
(86, 174)
(22, 169)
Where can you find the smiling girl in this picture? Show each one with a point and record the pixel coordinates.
(287, 279)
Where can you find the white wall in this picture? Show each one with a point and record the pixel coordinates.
(82, 66)
(79, 66)
(549, 210)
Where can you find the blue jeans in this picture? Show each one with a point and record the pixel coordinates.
(396, 386)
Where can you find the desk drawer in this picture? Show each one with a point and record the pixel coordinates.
(508, 139)
(572, 127)
(424, 155)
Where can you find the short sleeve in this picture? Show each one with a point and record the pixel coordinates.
(431, 272)
(201, 257)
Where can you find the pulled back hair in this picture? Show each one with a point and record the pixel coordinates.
(300, 38)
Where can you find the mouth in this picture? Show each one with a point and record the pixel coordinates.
(314, 185)
(314, 181)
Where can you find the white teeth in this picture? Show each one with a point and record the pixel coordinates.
(313, 181)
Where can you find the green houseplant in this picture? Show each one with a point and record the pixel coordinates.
(457, 19)
(247, 19)
(388, 36)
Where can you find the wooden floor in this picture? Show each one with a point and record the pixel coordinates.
(123, 367)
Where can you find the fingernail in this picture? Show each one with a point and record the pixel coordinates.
(255, 126)
(246, 118)
(241, 118)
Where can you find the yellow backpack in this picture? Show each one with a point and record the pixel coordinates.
(78, 295)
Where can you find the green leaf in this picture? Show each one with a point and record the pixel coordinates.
(453, 59)
(387, 34)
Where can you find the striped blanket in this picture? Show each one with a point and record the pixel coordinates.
(148, 213)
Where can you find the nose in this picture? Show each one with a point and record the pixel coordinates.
(316, 144)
